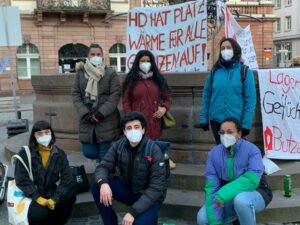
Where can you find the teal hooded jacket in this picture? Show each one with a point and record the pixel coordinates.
(227, 96)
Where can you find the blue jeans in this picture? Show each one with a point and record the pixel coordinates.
(124, 195)
(243, 207)
(95, 151)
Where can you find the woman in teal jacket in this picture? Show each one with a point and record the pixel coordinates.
(229, 91)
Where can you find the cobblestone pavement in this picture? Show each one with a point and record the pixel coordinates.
(96, 220)
(92, 220)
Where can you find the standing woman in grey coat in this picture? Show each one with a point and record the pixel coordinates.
(96, 93)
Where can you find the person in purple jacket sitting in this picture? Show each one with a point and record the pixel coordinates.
(236, 186)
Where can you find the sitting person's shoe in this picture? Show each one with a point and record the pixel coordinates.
(172, 164)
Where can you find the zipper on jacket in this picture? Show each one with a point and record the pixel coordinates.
(130, 168)
(230, 157)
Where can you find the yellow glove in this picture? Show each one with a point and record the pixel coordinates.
(42, 201)
(51, 204)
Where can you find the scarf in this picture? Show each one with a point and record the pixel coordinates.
(45, 154)
(227, 63)
(93, 75)
(145, 76)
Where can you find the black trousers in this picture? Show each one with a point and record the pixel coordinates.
(215, 126)
(42, 215)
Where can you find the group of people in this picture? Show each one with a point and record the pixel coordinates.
(235, 187)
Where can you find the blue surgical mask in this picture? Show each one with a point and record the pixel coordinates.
(96, 60)
(44, 140)
(134, 136)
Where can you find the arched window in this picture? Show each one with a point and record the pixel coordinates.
(117, 57)
(28, 61)
(69, 55)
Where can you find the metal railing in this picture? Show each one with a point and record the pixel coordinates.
(73, 4)
(252, 9)
(155, 3)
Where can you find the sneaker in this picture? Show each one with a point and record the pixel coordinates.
(172, 164)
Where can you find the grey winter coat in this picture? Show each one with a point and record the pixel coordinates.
(109, 93)
(136, 174)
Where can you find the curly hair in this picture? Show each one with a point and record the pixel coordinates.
(131, 116)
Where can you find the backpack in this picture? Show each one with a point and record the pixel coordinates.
(162, 145)
(243, 72)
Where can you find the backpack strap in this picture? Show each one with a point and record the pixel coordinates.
(148, 153)
(244, 70)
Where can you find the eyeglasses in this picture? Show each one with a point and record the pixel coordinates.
(226, 132)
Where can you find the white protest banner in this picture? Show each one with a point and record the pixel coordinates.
(176, 35)
(248, 52)
(280, 107)
(242, 36)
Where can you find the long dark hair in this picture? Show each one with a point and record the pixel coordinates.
(132, 76)
(38, 126)
(237, 51)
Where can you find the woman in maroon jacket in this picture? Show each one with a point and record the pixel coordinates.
(146, 90)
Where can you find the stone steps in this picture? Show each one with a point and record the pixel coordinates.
(185, 193)
(184, 204)
(191, 176)
(8, 102)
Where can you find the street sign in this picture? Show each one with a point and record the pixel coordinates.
(10, 35)
(10, 26)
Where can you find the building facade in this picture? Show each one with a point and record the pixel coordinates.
(286, 32)
(56, 34)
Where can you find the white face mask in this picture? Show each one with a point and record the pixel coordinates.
(227, 54)
(96, 60)
(44, 140)
(134, 136)
(228, 140)
(145, 67)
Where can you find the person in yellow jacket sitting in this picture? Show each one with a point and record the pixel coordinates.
(51, 190)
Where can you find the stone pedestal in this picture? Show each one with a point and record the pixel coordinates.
(188, 144)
